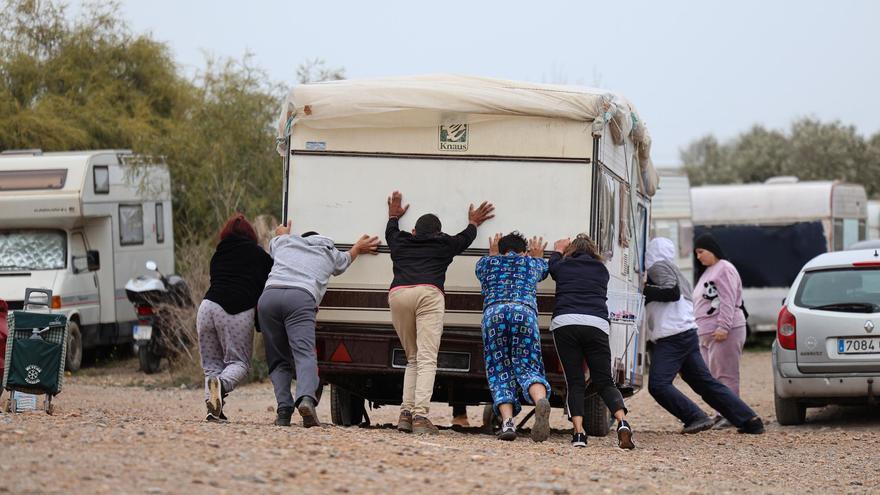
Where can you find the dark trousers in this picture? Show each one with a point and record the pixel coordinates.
(287, 318)
(681, 353)
(574, 344)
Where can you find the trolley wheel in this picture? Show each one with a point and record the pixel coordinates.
(491, 421)
(73, 359)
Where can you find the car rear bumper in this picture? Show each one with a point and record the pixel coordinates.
(790, 383)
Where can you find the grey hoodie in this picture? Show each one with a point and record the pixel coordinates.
(305, 262)
(667, 318)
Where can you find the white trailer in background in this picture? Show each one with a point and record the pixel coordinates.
(541, 153)
(770, 230)
(671, 216)
(81, 224)
(873, 220)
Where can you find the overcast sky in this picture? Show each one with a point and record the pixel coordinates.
(691, 67)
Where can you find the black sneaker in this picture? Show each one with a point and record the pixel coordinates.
(307, 410)
(215, 392)
(282, 417)
(703, 424)
(579, 440)
(508, 431)
(753, 426)
(541, 428)
(625, 436)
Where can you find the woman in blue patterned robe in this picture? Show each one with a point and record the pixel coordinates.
(509, 278)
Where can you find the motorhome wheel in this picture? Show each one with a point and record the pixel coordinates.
(73, 360)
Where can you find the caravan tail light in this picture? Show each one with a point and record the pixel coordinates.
(786, 329)
(145, 311)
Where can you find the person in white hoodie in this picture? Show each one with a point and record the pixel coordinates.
(676, 349)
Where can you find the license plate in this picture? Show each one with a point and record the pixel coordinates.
(446, 361)
(862, 345)
(142, 332)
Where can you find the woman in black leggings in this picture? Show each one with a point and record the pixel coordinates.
(580, 330)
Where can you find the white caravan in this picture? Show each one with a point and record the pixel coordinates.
(770, 230)
(555, 161)
(873, 221)
(81, 224)
(671, 216)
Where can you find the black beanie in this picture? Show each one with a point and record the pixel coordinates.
(707, 242)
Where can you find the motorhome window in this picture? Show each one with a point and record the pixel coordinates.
(29, 250)
(25, 180)
(768, 255)
(607, 202)
(859, 286)
(160, 223)
(131, 224)
(101, 179)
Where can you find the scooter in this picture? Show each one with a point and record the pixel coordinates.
(149, 295)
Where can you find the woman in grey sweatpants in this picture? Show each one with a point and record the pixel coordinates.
(287, 311)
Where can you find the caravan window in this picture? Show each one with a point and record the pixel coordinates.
(26, 250)
(23, 180)
(160, 223)
(101, 179)
(131, 224)
(607, 202)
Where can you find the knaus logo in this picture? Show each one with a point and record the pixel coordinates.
(453, 137)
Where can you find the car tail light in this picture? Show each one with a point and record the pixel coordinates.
(786, 329)
(865, 264)
(145, 311)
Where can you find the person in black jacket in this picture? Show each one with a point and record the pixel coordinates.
(580, 328)
(417, 300)
(226, 316)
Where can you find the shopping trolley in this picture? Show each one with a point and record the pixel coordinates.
(35, 351)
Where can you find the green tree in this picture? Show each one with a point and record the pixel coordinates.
(85, 83)
(811, 150)
(90, 83)
(223, 156)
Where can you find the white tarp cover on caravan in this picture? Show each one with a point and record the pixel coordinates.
(431, 100)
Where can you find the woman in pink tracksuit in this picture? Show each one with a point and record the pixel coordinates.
(718, 308)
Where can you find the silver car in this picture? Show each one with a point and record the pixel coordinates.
(827, 347)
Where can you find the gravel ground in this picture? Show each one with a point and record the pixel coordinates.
(116, 432)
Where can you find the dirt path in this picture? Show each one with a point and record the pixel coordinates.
(116, 433)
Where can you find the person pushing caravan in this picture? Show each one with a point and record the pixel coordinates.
(287, 311)
(417, 301)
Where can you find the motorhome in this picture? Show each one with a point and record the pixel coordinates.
(81, 224)
(671, 216)
(554, 160)
(770, 230)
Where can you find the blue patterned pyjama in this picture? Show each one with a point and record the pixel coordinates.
(512, 350)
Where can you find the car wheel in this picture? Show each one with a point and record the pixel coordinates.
(789, 411)
(598, 419)
(73, 359)
(346, 409)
